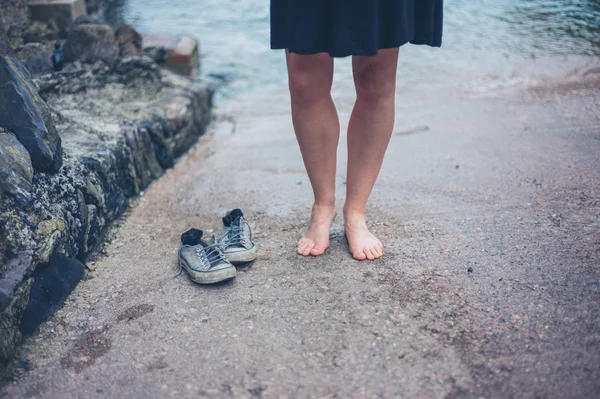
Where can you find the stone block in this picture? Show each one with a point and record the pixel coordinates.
(5, 46)
(16, 172)
(90, 43)
(36, 57)
(129, 41)
(182, 52)
(23, 112)
(62, 12)
(13, 11)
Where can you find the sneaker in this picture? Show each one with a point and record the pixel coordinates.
(236, 238)
(205, 263)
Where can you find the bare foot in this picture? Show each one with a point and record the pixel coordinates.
(363, 244)
(316, 238)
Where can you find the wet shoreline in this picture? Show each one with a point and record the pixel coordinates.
(503, 42)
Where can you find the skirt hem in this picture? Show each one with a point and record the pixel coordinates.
(341, 54)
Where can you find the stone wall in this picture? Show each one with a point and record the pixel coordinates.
(119, 127)
(13, 11)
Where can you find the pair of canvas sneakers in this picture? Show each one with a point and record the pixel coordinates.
(209, 261)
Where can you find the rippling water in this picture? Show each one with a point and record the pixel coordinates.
(487, 43)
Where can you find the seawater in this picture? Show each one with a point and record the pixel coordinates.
(487, 44)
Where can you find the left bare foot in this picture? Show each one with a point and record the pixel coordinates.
(363, 244)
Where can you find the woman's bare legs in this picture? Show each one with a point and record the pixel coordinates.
(317, 129)
(369, 133)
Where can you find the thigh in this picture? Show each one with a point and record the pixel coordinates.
(377, 72)
(310, 71)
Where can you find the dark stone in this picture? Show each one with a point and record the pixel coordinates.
(116, 205)
(24, 112)
(10, 335)
(93, 6)
(146, 165)
(94, 229)
(15, 270)
(13, 11)
(36, 57)
(129, 41)
(164, 155)
(89, 43)
(52, 284)
(93, 193)
(37, 32)
(58, 58)
(5, 46)
(134, 64)
(126, 174)
(165, 128)
(112, 174)
(83, 218)
(74, 78)
(157, 53)
(85, 20)
(16, 171)
(139, 71)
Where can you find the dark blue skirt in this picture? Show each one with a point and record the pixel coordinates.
(354, 27)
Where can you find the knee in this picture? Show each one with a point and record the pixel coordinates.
(373, 86)
(305, 87)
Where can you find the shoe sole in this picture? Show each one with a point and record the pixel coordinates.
(210, 277)
(237, 257)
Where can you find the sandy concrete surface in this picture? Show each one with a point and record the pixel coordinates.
(488, 204)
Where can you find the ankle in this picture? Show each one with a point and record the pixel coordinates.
(354, 216)
(324, 205)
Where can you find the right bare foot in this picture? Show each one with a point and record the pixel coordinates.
(316, 238)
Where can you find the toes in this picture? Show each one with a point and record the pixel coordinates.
(301, 246)
(359, 255)
(369, 254)
(304, 248)
(306, 251)
(378, 253)
(380, 246)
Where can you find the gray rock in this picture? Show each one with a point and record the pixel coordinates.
(93, 229)
(15, 271)
(12, 11)
(157, 53)
(37, 32)
(10, 336)
(140, 73)
(129, 41)
(36, 57)
(90, 43)
(93, 6)
(5, 46)
(86, 19)
(23, 112)
(146, 164)
(16, 171)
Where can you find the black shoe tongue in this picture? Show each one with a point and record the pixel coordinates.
(232, 216)
(192, 237)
